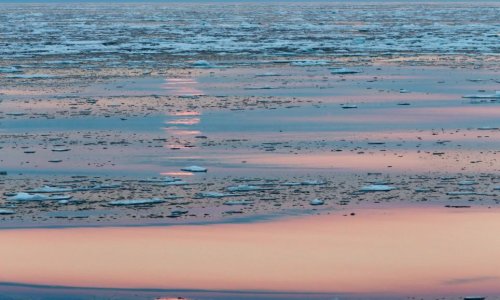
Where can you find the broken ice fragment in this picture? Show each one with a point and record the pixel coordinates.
(6, 211)
(343, 71)
(316, 202)
(136, 202)
(194, 169)
(245, 188)
(238, 202)
(377, 188)
(50, 189)
(38, 197)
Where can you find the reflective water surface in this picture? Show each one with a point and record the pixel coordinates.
(405, 251)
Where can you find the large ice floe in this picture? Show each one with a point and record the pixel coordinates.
(37, 197)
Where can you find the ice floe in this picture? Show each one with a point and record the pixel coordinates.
(38, 197)
(194, 169)
(246, 188)
(315, 202)
(50, 189)
(136, 202)
(238, 202)
(377, 188)
(343, 71)
(6, 211)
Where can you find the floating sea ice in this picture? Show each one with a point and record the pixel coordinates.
(6, 211)
(179, 182)
(162, 179)
(312, 182)
(316, 202)
(38, 197)
(347, 106)
(177, 213)
(9, 70)
(483, 96)
(487, 128)
(467, 182)
(212, 195)
(194, 169)
(245, 188)
(201, 64)
(238, 202)
(460, 193)
(377, 188)
(497, 188)
(267, 74)
(309, 63)
(136, 201)
(343, 71)
(50, 189)
(16, 114)
(61, 149)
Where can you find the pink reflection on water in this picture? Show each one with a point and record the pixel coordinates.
(182, 86)
(187, 121)
(397, 251)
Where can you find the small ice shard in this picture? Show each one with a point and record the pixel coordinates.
(423, 190)
(63, 201)
(403, 91)
(50, 189)
(194, 169)
(37, 197)
(377, 188)
(343, 71)
(212, 195)
(267, 74)
(201, 64)
(474, 298)
(6, 211)
(178, 213)
(467, 182)
(316, 202)
(245, 188)
(483, 96)
(136, 202)
(61, 149)
(178, 182)
(488, 128)
(497, 188)
(16, 114)
(292, 183)
(460, 193)
(348, 106)
(161, 179)
(312, 182)
(238, 202)
(309, 63)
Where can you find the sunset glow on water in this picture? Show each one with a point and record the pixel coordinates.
(411, 251)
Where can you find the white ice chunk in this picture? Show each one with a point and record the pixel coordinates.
(6, 211)
(377, 188)
(50, 189)
(316, 202)
(343, 71)
(194, 169)
(238, 202)
(38, 197)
